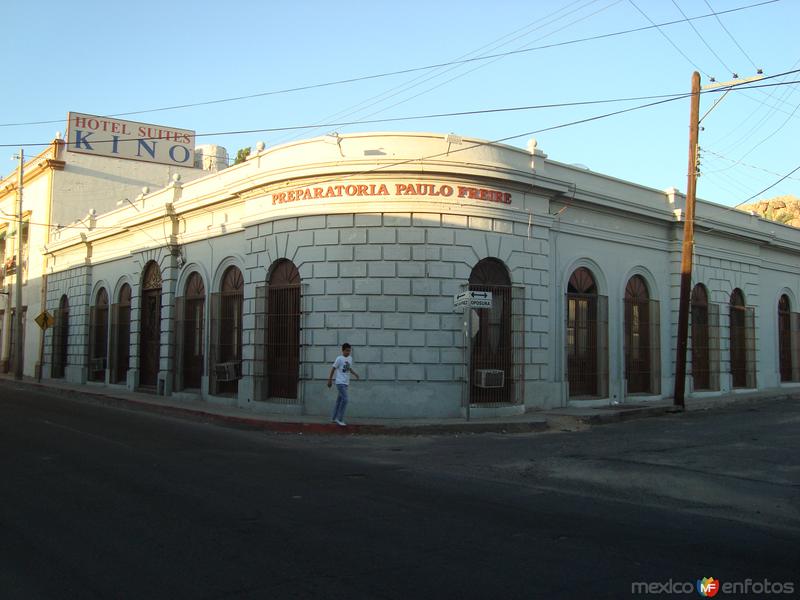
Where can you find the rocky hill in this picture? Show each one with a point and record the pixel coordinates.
(783, 209)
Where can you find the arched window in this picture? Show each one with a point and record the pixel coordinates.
(226, 322)
(742, 341)
(283, 331)
(121, 335)
(587, 336)
(61, 338)
(641, 338)
(491, 342)
(150, 327)
(98, 336)
(191, 326)
(785, 338)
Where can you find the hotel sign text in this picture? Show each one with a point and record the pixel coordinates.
(398, 189)
(106, 136)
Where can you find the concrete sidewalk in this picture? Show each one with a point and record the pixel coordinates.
(567, 418)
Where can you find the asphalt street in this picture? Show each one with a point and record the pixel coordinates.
(104, 502)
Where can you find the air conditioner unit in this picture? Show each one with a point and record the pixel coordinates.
(228, 371)
(489, 378)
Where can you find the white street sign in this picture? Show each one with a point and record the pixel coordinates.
(473, 299)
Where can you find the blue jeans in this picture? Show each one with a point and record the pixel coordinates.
(341, 403)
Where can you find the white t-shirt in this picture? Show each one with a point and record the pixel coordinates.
(343, 365)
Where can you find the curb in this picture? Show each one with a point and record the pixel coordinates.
(298, 427)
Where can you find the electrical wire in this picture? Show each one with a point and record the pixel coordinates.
(494, 45)
(769, 187)
(412, 69)
(730, 35)
(702, 39)
(452, 114)
(483, 65)
(673, 44)
(744, 164)
(451, 151)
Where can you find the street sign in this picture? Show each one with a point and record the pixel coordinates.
(45, 320)
(473, 299)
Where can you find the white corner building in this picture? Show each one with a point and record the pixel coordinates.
(239, 287)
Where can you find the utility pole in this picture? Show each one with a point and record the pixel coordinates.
(688, 246)
(20, 322)
(688, 225)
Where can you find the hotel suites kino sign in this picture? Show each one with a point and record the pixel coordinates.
(107, 136)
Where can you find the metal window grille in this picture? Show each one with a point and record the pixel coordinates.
(61, 339)
(700, 347)
(259, 368)
(278, 365)
(180, 346)
(150, 337)
(642, 343)
(795, 345)
(742, 346)
(283, 341)
(705, 346)
(120, 342)
(226, 338)
(785, 340)
(750, 345)
(120, 334)
(497, 350)
(98, 337)
(190, 334)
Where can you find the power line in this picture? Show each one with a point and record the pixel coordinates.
(673, 44)
(702, 39)
(412, 69)
(451, 114)
(445, 153)
(716, 15)
(421, 79)
(739, 162)
(769, 187)
(483, 65)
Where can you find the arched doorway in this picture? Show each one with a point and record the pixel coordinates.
(191, 315)
(98, 336)
(226, 323)
(785, 338)
(491, 343)
(283, 331)
(150, 327)
(637, 336)
(587, 336)
(701, 349)
(121, 335)
(61, 338)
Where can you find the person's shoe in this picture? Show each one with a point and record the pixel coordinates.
(341, 423)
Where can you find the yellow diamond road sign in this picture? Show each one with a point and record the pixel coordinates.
(45, 320)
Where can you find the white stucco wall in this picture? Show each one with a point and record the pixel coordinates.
(379, 270)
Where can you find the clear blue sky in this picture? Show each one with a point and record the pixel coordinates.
(112, 57)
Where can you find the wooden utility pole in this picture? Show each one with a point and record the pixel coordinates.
(20, 322)
(688, 246)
